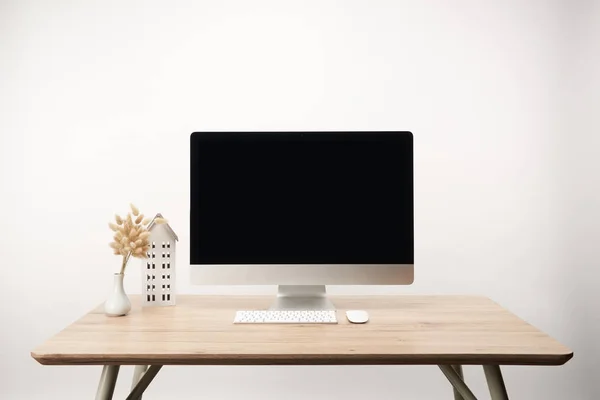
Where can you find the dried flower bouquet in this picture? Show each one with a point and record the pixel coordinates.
(131, 236)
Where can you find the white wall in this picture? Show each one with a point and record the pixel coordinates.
(580, 175)
(98, 98)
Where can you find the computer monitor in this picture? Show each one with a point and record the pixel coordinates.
(301, 210)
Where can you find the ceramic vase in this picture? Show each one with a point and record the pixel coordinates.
(118, 303)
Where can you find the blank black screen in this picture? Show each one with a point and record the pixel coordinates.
(301, 198)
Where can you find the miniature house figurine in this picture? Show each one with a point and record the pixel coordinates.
(158, 270)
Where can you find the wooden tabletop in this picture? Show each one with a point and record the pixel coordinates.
(401, 330)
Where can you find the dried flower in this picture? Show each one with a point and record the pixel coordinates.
(132, 237)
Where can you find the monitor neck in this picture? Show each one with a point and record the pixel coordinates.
(302, 297)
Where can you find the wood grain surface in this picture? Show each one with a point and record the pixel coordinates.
(401, 330)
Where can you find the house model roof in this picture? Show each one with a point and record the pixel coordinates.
(171, 231)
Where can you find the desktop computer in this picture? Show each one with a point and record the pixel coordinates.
(301, 210)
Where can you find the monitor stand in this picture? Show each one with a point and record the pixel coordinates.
(302, 297)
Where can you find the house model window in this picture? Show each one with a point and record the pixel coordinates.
(161, 236)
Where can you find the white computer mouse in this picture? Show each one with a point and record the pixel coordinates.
(357, 316)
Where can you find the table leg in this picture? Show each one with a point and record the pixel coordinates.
(143, 383)
(459, 372)
(138, 372)
(495, 382)
(108, 379)
(457, 382)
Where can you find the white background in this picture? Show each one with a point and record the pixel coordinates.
(98, 98)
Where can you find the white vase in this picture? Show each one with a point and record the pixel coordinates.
(118, 303)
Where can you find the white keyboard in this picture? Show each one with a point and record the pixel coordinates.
(286, 317)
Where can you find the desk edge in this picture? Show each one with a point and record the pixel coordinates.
(304, 359)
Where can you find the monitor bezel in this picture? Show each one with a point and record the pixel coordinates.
(300, 274)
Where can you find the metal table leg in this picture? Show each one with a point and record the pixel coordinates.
(143, 383)
(108, 379)
(457, 382)
(138, 372)
(459, 372)
(495, 382)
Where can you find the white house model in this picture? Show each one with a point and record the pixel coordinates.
(158, 270)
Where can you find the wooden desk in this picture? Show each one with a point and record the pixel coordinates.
(448, 331)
